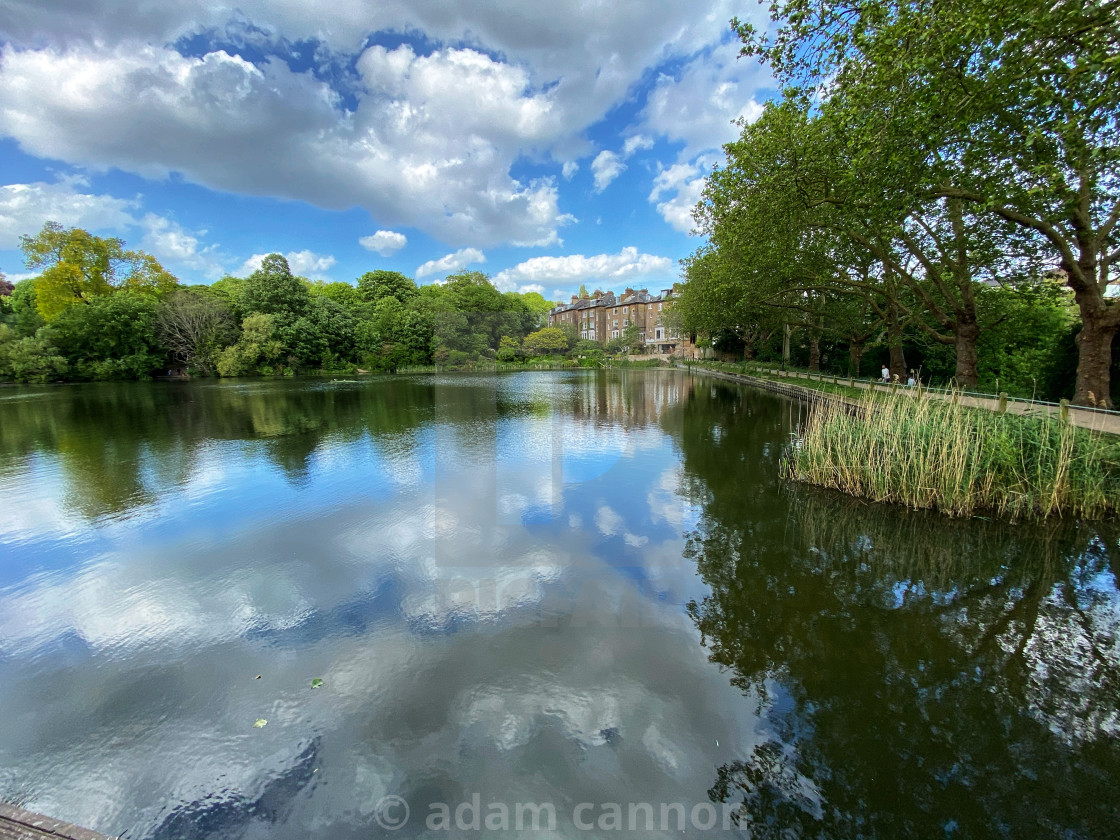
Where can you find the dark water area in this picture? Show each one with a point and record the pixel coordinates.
(552, 604)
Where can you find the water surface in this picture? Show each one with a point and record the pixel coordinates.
(562, 588)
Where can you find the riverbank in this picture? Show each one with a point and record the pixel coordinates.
(806, 386)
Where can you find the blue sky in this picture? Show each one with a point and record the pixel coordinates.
(547, 145)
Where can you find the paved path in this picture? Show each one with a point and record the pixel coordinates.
(18, 824)
(1104, 421)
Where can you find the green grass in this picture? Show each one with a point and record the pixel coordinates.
(908, 449)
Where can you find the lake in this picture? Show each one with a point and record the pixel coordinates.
(548, 604)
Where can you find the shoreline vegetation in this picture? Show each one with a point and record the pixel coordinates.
(908, 449)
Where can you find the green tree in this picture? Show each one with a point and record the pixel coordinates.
(375, 285)
(32, 359)
(509, 349)
(341, 293)
(273, 290)
(6, 289)
(78, 267)
(25, 313)
(1012, 109)
(258, 349)
(111, 337)
(548, 340)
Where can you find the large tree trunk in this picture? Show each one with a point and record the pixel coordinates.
(814, 351)
(786, 330)
(1099, 322)
(966, 334)
(855, 355)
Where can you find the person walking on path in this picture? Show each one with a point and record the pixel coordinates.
(886, 375)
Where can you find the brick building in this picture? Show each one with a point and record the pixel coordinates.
(603, 315)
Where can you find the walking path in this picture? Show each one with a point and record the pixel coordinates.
(1104, 421)
(18, 824)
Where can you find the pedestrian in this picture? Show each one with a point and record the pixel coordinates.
(913, 380)
(886, 374)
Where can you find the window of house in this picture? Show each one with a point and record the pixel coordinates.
(659, 333)
(659, 307)
(625, 309)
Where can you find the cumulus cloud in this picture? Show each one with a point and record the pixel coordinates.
(625, 266)
(25, 207)
(451, 262)
(684, 184)
(429, 143)
(426, 141)
(303, 263)
(636, 143)
(384, 242)
(175, 246)
(699, 107)
(569, 169)
(606, 167)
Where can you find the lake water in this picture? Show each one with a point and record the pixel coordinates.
(583, 599)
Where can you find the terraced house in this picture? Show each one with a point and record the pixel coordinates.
(602, 316)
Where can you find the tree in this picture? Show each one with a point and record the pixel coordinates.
(509, 349)
(194, 327)
(548, 340)
(78, 267)
(6, 289)
(25, 312)
(375, 285)
(32, 359)
(273, 290)
(256, 351)
(1011, 108)
(339, 292)
(112, 337)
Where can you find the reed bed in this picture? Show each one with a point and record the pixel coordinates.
(909, 449)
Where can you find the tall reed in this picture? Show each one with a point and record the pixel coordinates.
(906, 448)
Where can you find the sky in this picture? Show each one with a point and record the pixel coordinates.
(548, 145)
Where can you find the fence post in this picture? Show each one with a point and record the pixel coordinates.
(1063, 410)
(1002, 402)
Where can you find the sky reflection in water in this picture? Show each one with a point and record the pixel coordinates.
(520, 586)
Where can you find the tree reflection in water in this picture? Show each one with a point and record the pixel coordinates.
(917, 676)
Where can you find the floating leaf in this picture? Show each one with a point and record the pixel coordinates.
(316, 683)
(257, 677)
(261, 723)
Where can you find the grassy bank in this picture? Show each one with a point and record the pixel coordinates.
(925, 453)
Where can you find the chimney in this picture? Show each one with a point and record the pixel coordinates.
(598, 294)
(575, 298)
(628, 291)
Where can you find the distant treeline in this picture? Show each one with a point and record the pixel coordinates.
(97, 311)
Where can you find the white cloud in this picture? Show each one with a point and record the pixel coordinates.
(25, 207)
(429, 143)
(418, 140)
(685, 183)
(384, 242)
(174, 246)
(636, 143)
(570, 168)
(451, 262)
(700, 106)
(612, 269)
(606, 167)
(302, 263)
